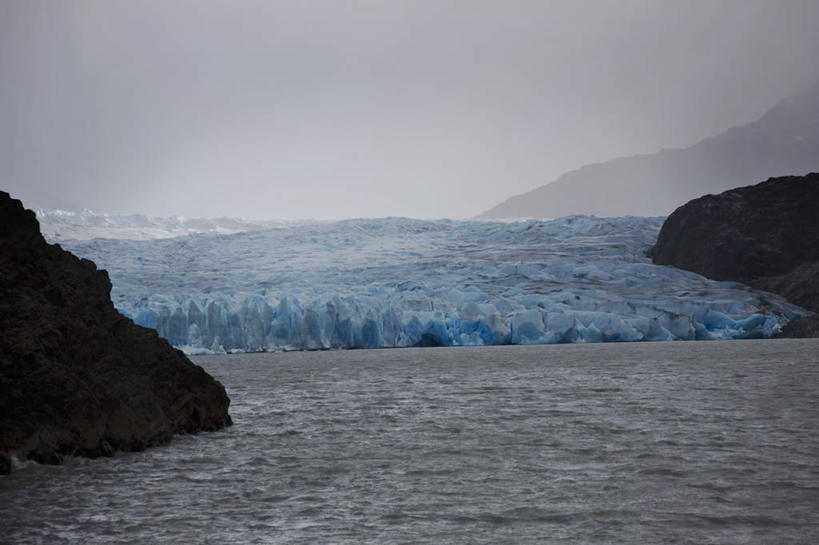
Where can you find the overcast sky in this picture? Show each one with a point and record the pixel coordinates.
(332, 109)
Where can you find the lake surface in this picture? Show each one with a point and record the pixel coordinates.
(686, 442)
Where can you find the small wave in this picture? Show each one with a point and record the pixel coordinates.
(274, 499)
(730, 520)
(286, 433)
(334, 470)
(540, 515)
(662, 471)
(424, 471)
(18, 464)
(787, 484)
(526, 514)
(394, 516)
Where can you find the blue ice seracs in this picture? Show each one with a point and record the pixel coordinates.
(401, 282)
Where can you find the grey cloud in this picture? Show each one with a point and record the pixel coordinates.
(369, 108)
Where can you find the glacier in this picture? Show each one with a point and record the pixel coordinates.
(397, 282)
(61, 225)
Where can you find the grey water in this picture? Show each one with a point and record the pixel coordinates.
(683, 442)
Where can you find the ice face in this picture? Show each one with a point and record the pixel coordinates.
(401, 282)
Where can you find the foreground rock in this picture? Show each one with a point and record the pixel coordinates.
(77, 377)
(766, 236)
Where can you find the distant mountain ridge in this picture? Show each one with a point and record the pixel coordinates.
(784, 141)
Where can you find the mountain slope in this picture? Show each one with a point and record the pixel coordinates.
(783, 141)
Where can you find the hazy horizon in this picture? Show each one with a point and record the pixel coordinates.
(286, 110)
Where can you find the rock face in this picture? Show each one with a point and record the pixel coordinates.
(77, 377)
(766, 235)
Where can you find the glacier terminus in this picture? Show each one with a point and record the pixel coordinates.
(399, 282)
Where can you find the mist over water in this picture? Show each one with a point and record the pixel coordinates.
(698, 442)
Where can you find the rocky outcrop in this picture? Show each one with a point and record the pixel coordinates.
(766, 236)
(800, 286)
(77, 377)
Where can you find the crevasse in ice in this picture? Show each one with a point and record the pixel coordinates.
(402, 282)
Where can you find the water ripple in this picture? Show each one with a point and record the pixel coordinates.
(641, 444)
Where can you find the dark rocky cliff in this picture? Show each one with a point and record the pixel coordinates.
(77, 377)
(766, 236)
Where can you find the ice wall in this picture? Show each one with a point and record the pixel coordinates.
(400, 282)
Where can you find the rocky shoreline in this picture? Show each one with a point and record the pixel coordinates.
(76, 377)
(765, 236)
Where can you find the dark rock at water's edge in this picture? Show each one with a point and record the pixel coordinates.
(807, 327)
(800, 286)
(77, 377)
(765, 235)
